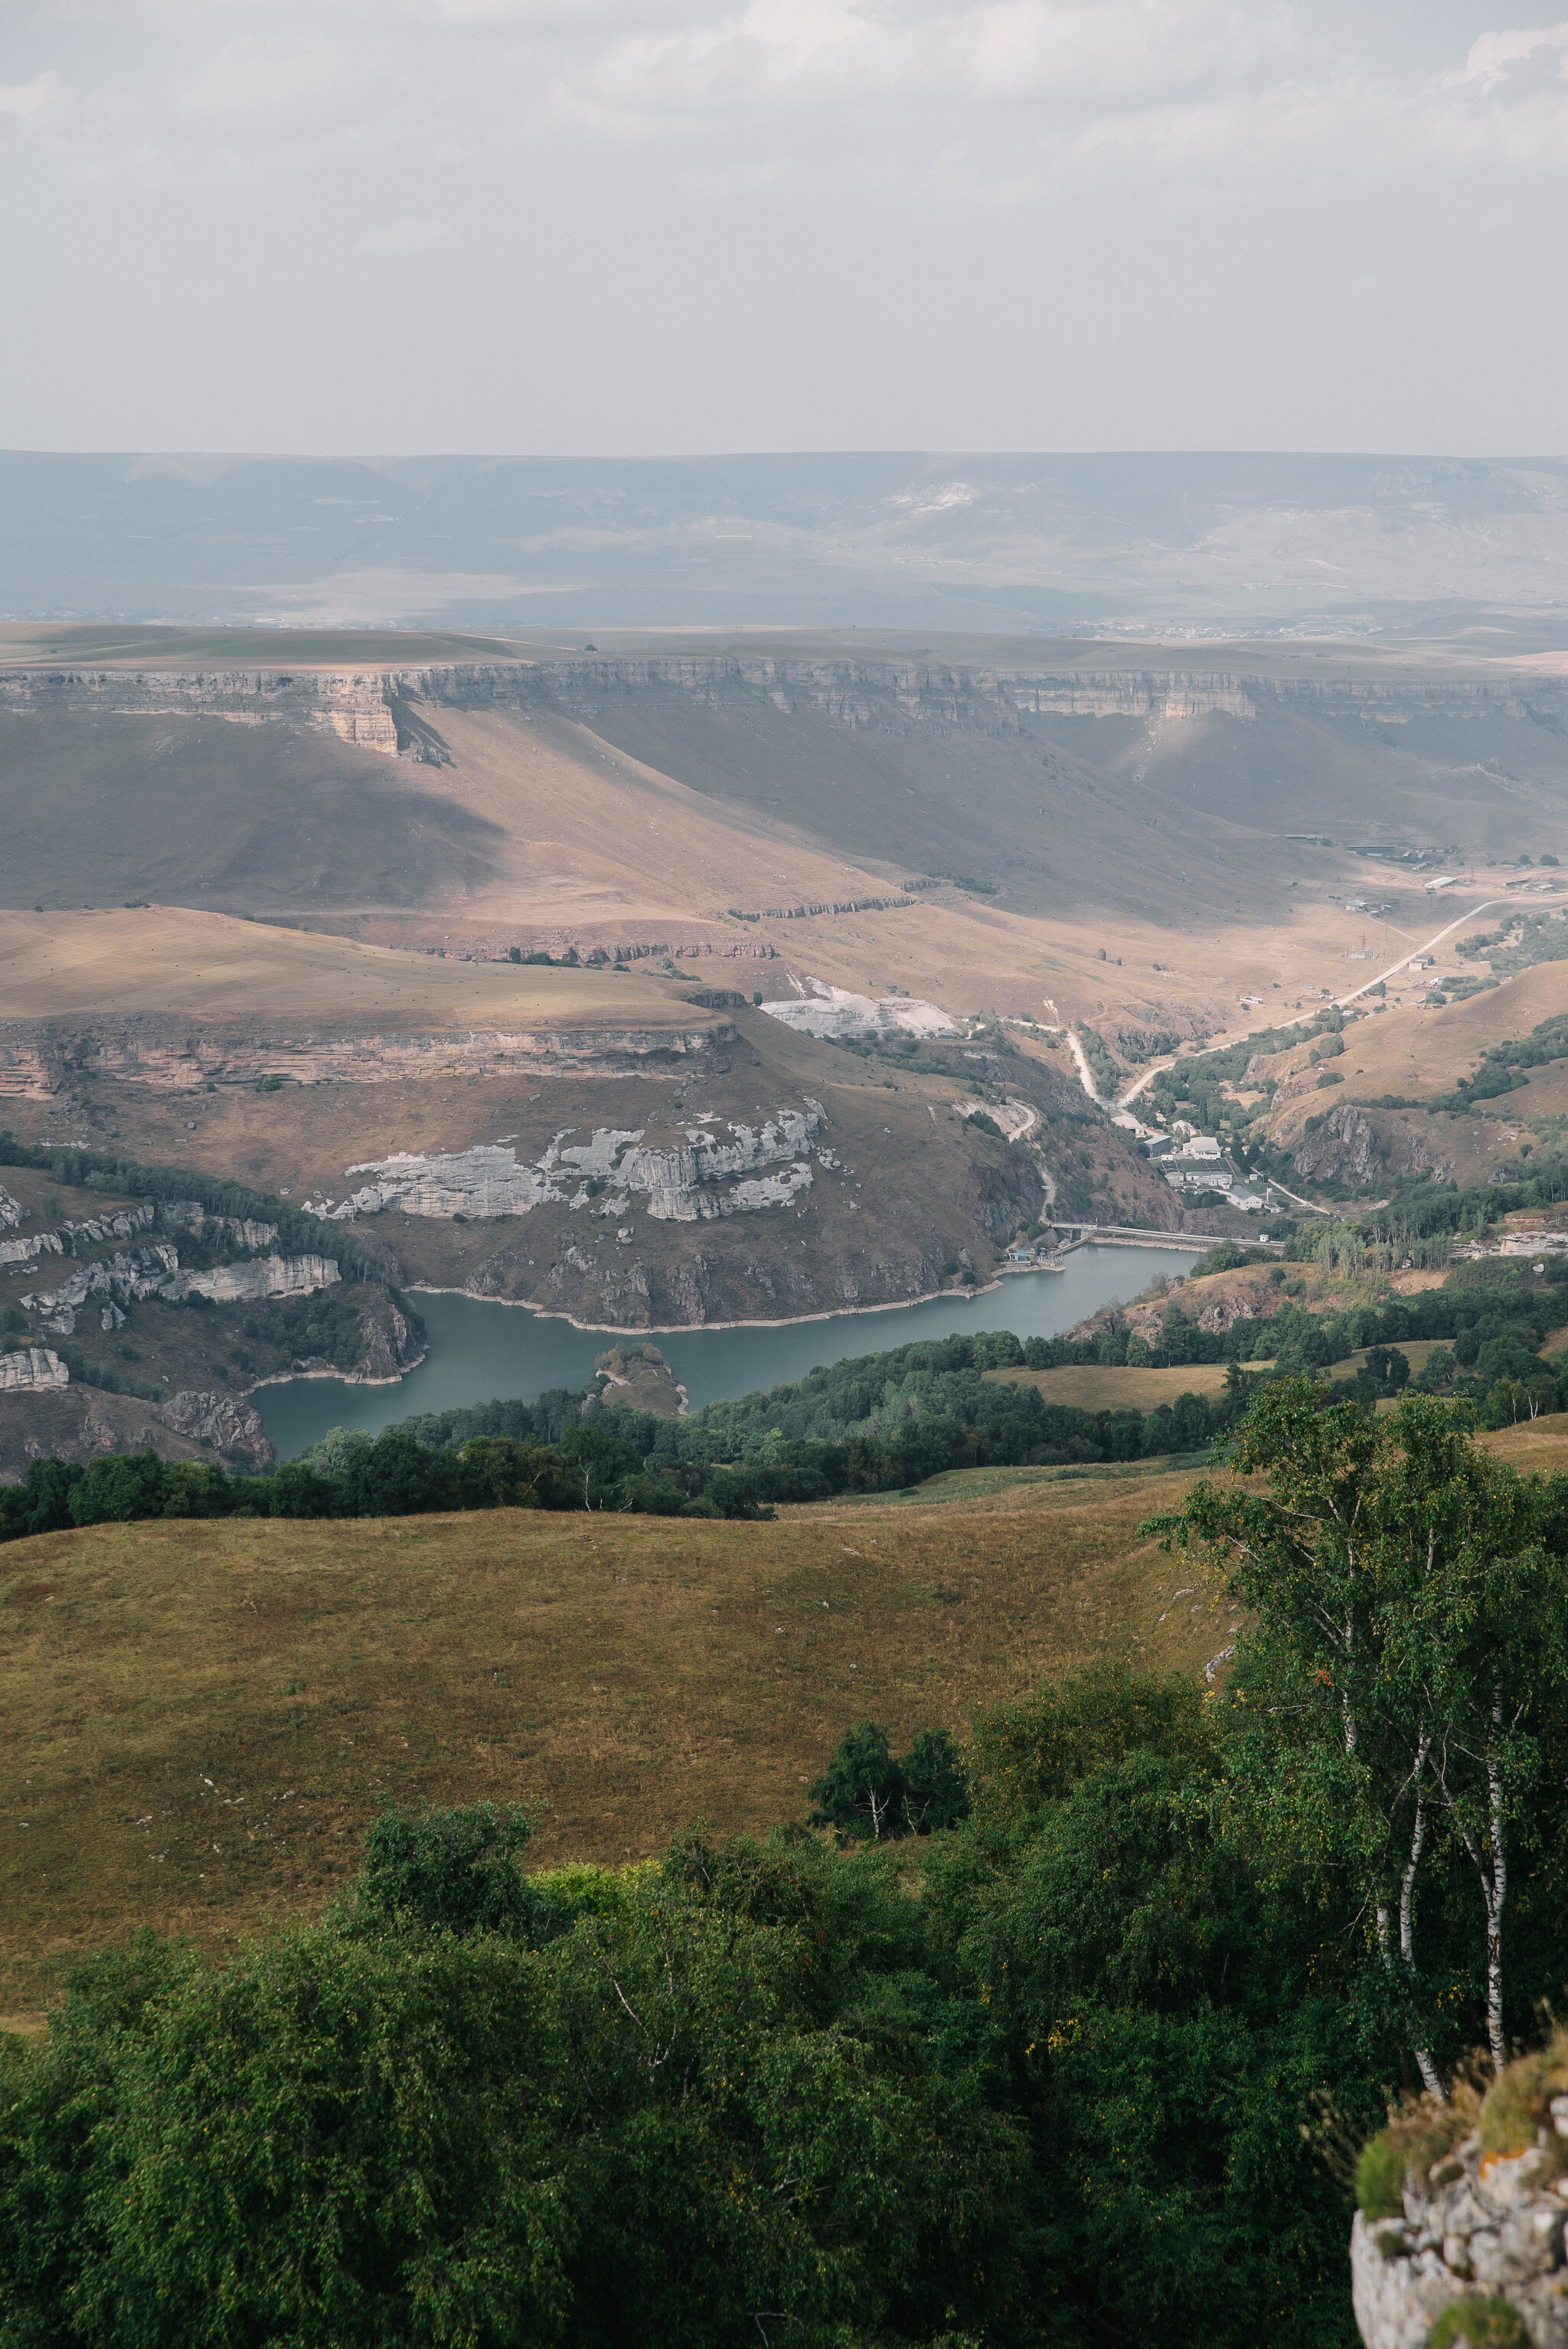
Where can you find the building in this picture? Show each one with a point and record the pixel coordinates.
(1208, 1176)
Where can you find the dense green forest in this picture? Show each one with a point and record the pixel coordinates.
(1057, 2038)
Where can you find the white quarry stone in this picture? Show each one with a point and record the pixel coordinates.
(677, 1185)
(834, 1012)
(33, 1366)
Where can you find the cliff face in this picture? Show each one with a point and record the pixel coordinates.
(39, 1058)
(679, 1185)
(154, 1272)
(396, 713)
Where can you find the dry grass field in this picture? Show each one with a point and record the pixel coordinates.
(1420, 1053)
(171, 958)
(1102, 1387)
(200, 1719)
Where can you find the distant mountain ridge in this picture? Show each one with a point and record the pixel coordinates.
(1053, 545)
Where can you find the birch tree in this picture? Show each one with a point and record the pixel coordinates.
(1409, 1636)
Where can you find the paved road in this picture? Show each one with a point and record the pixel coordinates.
(1217, 1044)
(1411, 952)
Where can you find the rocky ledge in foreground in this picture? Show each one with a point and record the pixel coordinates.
(1461, 2232)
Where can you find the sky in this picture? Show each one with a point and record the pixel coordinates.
(627, 227)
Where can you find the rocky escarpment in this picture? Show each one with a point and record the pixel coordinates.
(154, 1271)
(39, 1058)
(692, 1185)
(394, 712)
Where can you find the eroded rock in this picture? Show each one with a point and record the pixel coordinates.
(219, 1421)
(32, 1366)
(675, 1186)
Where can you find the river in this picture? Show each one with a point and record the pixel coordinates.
(478, 1349)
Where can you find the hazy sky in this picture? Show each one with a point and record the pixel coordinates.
(621, 226)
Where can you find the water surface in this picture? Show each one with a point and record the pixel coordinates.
(478, 1349)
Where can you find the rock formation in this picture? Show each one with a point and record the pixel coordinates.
(219, 1421)
(1465, 2205)
(154, 1271)
(390, 712)
(188, 1216)
(678, 1185)
(39, 1058)
(32, 1366)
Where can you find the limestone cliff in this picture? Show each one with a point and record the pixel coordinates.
(679, 1185)
(154, 1271)
(39, 1058)
(394, 713)
(1464, 2208)
(32, 1366)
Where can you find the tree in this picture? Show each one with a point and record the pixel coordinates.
(41, 1503)
(861, 1791)
(453, 1870)
(1411, 1647)
(117, 1489)
(934, 1793)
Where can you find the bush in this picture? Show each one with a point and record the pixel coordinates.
(452, 1871)
(1483, 2324)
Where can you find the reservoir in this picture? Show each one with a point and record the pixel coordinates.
(478, 1349)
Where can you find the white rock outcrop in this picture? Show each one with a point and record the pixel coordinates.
(683, 1185)
(154, 1271)
(268, 1276)
(32, 1366)
(191, 1216)
(12, 1211)
(24, 1251)
(834, 1012)
(1475, 2225)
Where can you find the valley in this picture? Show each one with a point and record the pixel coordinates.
(679, 980)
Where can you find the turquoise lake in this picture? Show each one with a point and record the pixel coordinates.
(478, 1349)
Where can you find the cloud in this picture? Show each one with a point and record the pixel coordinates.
(405, 236)
(34, 108)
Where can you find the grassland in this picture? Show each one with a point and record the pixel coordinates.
(202, 1719)
(171, 958)
(1420, 1053)
(1100, 1386)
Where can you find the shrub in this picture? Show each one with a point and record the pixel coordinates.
(1483, 2323)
